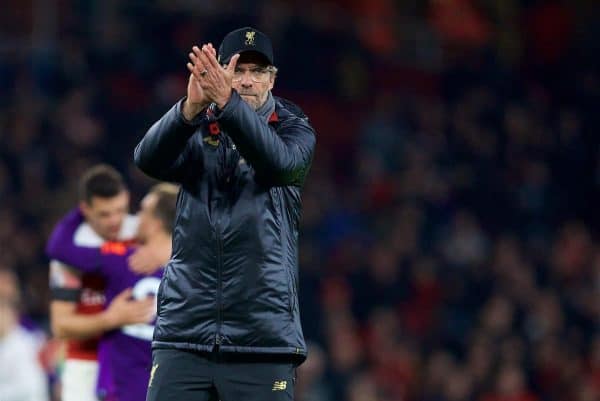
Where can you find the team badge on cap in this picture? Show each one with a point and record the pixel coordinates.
(250, 35)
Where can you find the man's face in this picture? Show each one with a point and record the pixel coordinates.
(106, 215)
(149, 224)
(252, 79)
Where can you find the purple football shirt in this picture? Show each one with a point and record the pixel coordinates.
(124, 355)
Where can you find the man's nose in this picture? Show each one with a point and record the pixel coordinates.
(246, 80)
(115, 220)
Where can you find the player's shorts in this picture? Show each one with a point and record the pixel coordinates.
(78, 380)
(186, 375)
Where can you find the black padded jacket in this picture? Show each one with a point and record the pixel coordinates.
(232, 278)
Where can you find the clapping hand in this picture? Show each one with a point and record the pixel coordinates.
(214, 80)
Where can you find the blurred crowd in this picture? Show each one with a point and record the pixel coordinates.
(449, 248)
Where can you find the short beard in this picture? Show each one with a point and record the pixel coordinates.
(252, 103)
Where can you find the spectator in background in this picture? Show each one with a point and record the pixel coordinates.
(511, 386)
(21, 375)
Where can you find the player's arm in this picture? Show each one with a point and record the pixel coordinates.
(65, 288)
(148, 259)
(66, 323)
(61, 245)
(102, 261)
(111, 257)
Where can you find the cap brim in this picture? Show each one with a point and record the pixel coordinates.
(246, 50)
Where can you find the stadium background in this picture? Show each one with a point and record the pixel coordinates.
(450, 234)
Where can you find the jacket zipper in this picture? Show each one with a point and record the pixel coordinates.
(218, 337)
(219, 284)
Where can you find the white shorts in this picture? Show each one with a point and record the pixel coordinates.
(79, 379)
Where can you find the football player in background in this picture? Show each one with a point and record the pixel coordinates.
(125, 353)
(77, 311)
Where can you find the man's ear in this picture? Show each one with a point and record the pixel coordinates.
(85, 208)
(272, 81)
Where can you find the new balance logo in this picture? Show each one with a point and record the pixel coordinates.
(279, 385)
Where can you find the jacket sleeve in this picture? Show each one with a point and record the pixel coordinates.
(283, 157)
(61, 245)
(167, 147)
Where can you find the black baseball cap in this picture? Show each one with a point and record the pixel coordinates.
(245, 39)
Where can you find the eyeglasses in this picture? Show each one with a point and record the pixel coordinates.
(257, 74)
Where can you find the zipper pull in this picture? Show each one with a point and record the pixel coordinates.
(218, 339)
